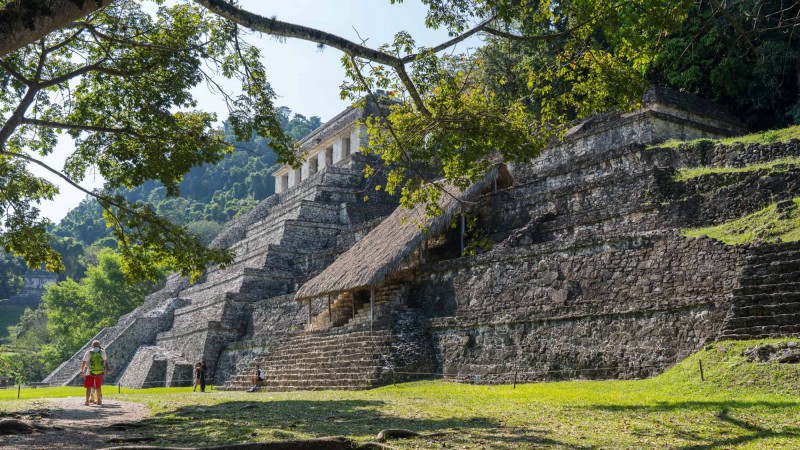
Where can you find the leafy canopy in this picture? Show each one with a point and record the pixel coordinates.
(119, 83)
(544, 65)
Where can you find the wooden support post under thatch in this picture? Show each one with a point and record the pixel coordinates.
(309, 311)
(353, 304)
(463, 226)
(330, 317)
(371, 307)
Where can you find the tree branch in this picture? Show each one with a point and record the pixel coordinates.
(481, 27)
(95, 67)
(17, 116)
(72, 126)
(25, 22)
(276, 27)
(11, 71)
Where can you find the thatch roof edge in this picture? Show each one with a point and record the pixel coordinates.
(340, 277)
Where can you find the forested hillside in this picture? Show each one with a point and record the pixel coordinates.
(211, 195)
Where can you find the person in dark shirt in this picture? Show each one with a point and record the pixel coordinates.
(202, 376)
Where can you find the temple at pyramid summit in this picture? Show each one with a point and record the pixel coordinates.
(587, 274)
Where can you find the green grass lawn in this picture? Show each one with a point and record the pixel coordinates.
(740, 404)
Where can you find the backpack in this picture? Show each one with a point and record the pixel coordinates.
(96, 363)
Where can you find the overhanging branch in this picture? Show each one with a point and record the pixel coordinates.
(24, 22)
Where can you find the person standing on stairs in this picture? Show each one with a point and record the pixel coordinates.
(93, 366)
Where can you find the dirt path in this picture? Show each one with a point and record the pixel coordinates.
(69, 424)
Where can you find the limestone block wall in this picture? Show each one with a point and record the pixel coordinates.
(120, 342)
(626, 307)
(149, 368)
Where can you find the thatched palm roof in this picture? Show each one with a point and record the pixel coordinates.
(385, 248)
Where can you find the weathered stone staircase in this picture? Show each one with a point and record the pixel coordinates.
(354, 314)
(349, 361)
(120, 340)
(350, 352)
(274, 251)
(767, 303)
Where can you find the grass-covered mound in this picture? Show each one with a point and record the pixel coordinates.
(771, 224)
(766, 168)
(740, 404)
(766, 137)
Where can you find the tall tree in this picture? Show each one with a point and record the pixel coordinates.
(119, 83)
(76, 311)
(12, 268)
(742, 54)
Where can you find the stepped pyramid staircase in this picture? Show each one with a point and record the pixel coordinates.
(275, 250)
(767, 303)
(345, 353)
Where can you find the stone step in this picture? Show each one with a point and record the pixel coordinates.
(773, 267)
(768, 320)
(785, 252)
(766, 299)
(361, 371)
(761, 309)
(303, 373)
(789, 286)
(760, 332)
(771, 278)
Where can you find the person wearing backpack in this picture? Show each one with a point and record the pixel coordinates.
(93, 366)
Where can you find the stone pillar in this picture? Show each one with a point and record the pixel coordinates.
(321, 162)
(278, 185)
(337, 151)
(371, 307)
(358, 138)
(294, 177)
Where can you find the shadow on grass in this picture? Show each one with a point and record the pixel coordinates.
(700, 405)
(247, 421)
(743, 431)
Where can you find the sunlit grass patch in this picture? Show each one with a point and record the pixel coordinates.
(768, 224)
(776, 166)
(739, 404)
(766, 137)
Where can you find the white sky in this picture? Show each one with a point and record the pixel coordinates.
(305, 78)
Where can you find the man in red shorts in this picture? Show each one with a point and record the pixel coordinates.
(92, 369)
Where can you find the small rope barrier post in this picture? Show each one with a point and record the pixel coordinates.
(515, 379)
(119, 387)
(394, 380)
(19, 388)
(702, 376)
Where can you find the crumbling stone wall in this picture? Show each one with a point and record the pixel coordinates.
(623, 307)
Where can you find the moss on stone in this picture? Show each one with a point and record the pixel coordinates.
(778, 222)
(769, 167)
(766, 137)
